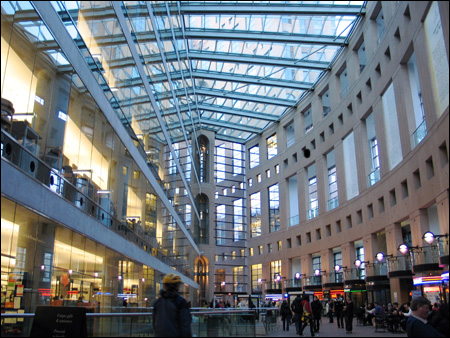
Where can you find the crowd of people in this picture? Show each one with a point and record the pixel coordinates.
(171, 315)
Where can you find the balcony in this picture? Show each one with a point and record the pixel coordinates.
(376, 272)
(293, 284)
(399, 266)
(312, 282)
(312, 213)
(420, 133)
(333, 203)
(374, 177)
(425, 259)
(333, 279)
(294, 220)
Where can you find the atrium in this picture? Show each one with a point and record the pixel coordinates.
(258, 149)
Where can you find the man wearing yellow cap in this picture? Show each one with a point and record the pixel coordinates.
(171, 315)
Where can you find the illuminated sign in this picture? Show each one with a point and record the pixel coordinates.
(431, 289)
(427, 280)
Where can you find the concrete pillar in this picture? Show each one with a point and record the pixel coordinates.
(394, 238)
(443, 212)
(370, 247)
(419, 225)
(348, 255)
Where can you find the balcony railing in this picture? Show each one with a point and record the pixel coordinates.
(312, 213)
(79, 191)
(333, 278)
(294, 220)
(420, 133)
(293, 283)
(374, 177)
(399, 263)
(425, 255)
(333, 203)
(354, 274)
(376, 269)
(312, 281)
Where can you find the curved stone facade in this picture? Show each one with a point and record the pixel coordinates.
(411, 195)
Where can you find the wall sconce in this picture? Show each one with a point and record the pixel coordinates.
(260, 280)
(278, 278)
(317, 272)
(298, 275)
(338, 268)
(429, 237)
(405, 248)
(381, 256)
(42, 267)
(359, 262)
(143, 280)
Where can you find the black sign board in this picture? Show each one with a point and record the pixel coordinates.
(58, 321)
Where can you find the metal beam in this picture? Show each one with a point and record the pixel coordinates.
(243, 8)
(217, 34)
(77, 59)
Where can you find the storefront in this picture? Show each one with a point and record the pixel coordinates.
(435, 288)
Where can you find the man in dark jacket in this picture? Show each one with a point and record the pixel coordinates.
(297, 307)
(338, 308)
(171, 315)
(317, 309)
(349, 310)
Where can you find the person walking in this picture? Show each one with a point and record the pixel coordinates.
(307, 316)
(171, 315)
(286, 315)
(317, 308)
(349, 310)
(297, 308)
(330, 306)
(338, 308)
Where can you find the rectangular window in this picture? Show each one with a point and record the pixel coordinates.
(256, 275)
(313, 198)
(362, 57)
(220, 160)
(317, 266)
(308, 120)
(343, 79)
(275, 270)
(272, 148)
(337, 257)
(220, 225)
(326, 103)
(255, 214)
(416, 93)
(290, 135)
(380, 25)
(360, 256)
(274, 208)
(254, 156)
(332, 188)
(238, 159)
(238, 220)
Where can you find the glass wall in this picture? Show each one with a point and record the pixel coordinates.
(44, 263)
(58, 121)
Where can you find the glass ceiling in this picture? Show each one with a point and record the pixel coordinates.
(171, 68)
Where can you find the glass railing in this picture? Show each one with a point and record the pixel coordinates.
(333, 203)
(312, 213)
(374, 177)
(333, 278)
(205, 323)
(313, 281)
(294, 220)
(420, 133)
(399, 263)
(376, 269)
(293, 283)
(354, 274)
(425, 255)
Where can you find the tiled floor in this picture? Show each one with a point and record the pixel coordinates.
(331, 330)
